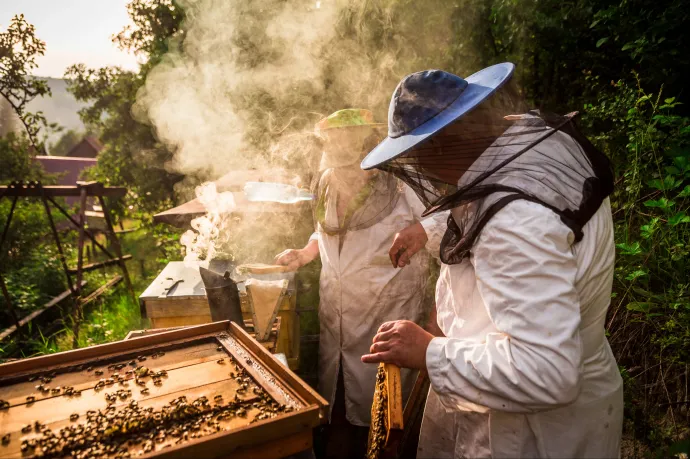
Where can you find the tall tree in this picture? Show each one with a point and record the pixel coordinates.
(132, 155)
(19, 48)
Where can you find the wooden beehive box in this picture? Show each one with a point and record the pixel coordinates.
(177, 298)
(206, 391)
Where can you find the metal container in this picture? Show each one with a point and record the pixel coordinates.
(223, 296)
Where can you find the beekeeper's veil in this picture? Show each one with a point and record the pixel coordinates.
(366, 197)
(460, 145)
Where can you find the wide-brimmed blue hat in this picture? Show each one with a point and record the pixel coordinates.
(426, 102)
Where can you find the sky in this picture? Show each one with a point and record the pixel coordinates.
(75, 31)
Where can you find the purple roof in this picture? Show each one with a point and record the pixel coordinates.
(69, 168)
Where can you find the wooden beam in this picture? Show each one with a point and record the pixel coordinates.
(62, 191)
(22, 322)
(101, 264)
(76, 224)
(110, 234)
(125, 231)
(102, 289)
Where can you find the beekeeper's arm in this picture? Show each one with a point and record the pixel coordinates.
(525, 270)
(296, 258)
(426, 232)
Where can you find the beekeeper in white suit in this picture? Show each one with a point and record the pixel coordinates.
(358, 213)
(522, 367)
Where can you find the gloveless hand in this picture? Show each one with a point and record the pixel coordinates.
(292, 258)
(406, 243)
(296, 258)
(400, 342)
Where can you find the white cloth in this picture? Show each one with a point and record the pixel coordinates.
(525, 369)
(359, 290)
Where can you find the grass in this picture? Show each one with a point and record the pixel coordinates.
(108, 318)
(116, 313)
(115, 316)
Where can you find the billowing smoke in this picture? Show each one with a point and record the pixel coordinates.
(251, 77)
(206, 237)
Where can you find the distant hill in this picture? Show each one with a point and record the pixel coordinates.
(61, 108)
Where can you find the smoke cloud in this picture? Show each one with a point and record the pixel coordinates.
(251, 77)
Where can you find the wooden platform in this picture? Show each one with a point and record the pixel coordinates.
(125, 398)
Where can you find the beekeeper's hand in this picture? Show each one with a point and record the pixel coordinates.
(406, 243)
(296, 258)
(400, 342)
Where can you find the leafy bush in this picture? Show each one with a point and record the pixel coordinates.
(29, 261)
(649, 323)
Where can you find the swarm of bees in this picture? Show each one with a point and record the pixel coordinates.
(126, 429)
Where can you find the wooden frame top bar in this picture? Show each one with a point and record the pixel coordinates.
(32, 190)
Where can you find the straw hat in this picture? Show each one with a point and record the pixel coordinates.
(346, 132)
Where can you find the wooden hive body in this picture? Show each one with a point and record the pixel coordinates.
(260, 408)
(177, 298)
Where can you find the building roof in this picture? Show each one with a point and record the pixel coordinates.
(89, 147)
(69, 168)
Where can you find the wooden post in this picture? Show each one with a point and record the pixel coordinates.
(5, 292)
(79, 313)
(88, 233)
(110, 233)
(8, 300)
(7, 223)
(61, 253)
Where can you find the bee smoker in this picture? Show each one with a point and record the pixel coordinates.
(223, 296)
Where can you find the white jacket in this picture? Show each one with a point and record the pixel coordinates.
(359, 290)
(525, 369)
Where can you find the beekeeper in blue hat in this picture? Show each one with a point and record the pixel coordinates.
(522, 367)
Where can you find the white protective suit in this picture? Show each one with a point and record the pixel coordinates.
(359, 290)
(525, 369)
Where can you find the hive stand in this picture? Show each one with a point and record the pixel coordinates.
(75, 281)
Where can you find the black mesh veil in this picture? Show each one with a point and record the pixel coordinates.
(489, 158)
(365, 197)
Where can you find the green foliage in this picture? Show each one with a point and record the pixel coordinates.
(29, 264)
(16, 162)
(114, 317)
(155, 24)
(554, 43)
(19, 48)
(649, 143)
(132, 156)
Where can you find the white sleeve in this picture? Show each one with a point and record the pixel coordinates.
(525, 271)
(434, 225)
(314, 236)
